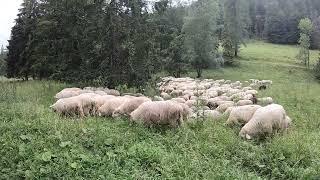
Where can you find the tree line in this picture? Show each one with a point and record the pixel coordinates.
(2, 61)
(277, 21)
(126, 41)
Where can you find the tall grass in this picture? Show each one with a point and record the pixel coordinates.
(35, 143)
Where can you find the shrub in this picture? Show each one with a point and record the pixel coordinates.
(317, 69)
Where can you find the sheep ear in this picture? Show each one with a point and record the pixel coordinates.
(248, 136)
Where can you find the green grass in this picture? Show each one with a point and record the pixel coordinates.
(258, 51)
(35, 143)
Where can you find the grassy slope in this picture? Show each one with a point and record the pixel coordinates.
(36, 143)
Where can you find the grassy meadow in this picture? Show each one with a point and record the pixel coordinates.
(35, 143)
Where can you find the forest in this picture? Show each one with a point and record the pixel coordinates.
(117, 42)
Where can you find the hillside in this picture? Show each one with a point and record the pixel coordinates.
(36, 143)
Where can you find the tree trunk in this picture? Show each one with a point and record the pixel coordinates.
(179, 73)
(199, 73)
(26, 77)
(308, 59)
(236, 51)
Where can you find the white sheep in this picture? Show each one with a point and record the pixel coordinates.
(158, 98)
(158, 113)
(265, 100)
(248, 97)
(228, 111)
(112, 92)
(201, 108)
(186, 97)
(255, 92)
(176, 93)
(88, 103)
(193, 98)
(207, 114)
(111, 105)
(223, 107)
(68, 92)
(212, 94)
(244, 102)
(265, 121)
(179, 100)
(238, 96)
(241, 114)
(86, 91)
(101, 93)
(187, 111)
(68, 106)
(129, 106)
(191, 103)
(165, 95)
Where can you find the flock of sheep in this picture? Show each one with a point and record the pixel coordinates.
(182, 100)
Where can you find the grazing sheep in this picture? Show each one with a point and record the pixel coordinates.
(265, 121)
(86, 91)
(193, 98)
(266, 82)
(100, 100)
(247, 88)
(186, 97)
(223, 102)
(112, 92)
(223, 107)
(238, 96)
(191, 103)
(110, 106)
(197, 108)
(241, 114)
(89, 88)
(179, 100)
(87, 102)
(207, 114)
(67, 93)
(176, 93)
(233, 91)
(101, 93)
(165, 96)
(202, 100)
(187, 111)
(68, 106)
(255, 92)
(129, 106)
(158, 98)
(248, 97)
(224, 98)
(215, 102)
(265, 100)
(254, 99)
(262, 87)
(158, 113)
(169, 89)
(72, 89)
(228, 111)
(244, 102)
(212, 114)
(212, 94)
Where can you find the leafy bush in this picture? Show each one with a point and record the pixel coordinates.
(317, 69)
